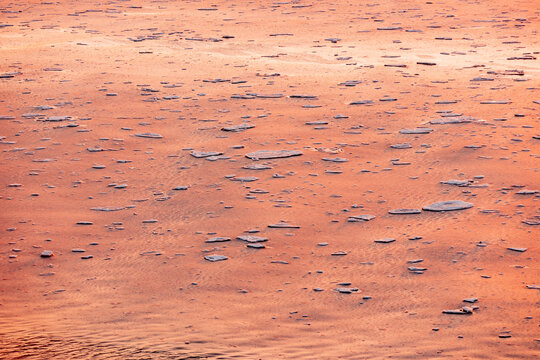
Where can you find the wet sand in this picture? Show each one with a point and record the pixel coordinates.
(124, 133)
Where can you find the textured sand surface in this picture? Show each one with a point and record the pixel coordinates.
(131, 138)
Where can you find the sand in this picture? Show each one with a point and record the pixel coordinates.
(124, 130)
